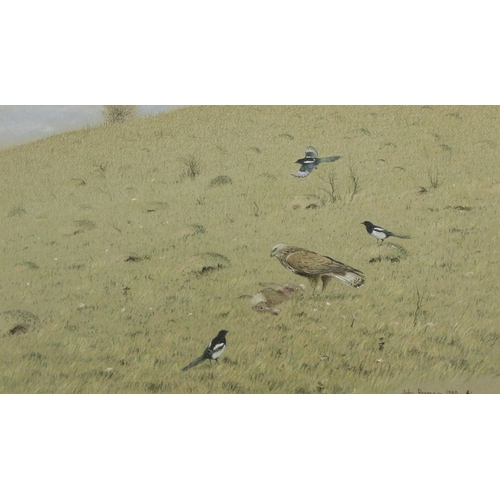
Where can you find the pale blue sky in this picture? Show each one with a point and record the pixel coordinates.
(21, 124)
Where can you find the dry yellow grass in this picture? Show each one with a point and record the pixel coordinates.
(125, 249)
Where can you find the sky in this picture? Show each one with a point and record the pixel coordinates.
(21, 124)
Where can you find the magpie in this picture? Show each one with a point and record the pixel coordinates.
(214, 349)
(379, 233)
(311, 161)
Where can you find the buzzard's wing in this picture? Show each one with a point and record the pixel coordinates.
(307, 262)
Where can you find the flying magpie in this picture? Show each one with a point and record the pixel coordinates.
(379, 233)
(311, 161)
(214, 349)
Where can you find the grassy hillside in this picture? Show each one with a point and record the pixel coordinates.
(126, 248)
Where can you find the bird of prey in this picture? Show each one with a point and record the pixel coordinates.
(316, 267)
(214, 349)
(311, 161)
(379, 233)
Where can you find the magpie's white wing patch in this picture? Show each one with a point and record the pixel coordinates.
(380, 235)
(218, 347)
(218, 350)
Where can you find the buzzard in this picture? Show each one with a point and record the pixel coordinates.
(316, 267)
(311, 161)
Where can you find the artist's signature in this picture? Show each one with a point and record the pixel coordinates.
(422, 391)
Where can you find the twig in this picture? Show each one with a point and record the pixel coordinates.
(420, 298)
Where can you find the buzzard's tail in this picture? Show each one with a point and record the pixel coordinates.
(197, 361)
(328, 159)
(352, 278)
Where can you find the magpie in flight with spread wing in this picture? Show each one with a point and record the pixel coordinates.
(214, 349)
(379, 233)
(311, 161)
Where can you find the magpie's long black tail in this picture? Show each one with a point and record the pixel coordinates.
(328, 159)
(197, 361)
(400, 236)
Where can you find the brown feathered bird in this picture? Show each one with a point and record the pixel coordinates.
(316, 267)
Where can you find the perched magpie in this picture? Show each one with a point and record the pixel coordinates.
(214, 349)
(311, 161)
(379, 233)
